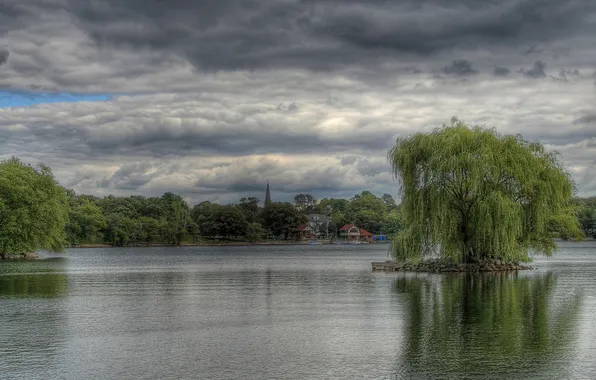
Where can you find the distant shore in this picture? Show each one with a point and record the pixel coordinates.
(197, 244)
(210, 244)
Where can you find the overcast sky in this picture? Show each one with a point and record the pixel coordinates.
(210, 99)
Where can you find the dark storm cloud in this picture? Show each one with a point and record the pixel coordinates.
(159, 138)
(3, 56)
(586, 119)
(244, 34)
(460, 67)
(537, 71)
(314, 180)
(239, 142)
(501, 71)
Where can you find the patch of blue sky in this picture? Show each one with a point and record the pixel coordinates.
(9, 99)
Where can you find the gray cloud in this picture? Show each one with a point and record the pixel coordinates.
(501, 71)
(130, 176)
(533, 50)
(4, 56)
(586, 119)
(460, 67)
(234, 34)
(216, 97)
(537, 71)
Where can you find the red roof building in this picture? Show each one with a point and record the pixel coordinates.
(305, 232)
(353, 232)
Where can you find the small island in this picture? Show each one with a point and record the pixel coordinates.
(474, 200)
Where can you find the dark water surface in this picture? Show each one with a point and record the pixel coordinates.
(312, 312)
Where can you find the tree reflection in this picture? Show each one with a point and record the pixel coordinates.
(44, 284)
(495, 325)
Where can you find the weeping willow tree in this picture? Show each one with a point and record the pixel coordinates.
(469, 192)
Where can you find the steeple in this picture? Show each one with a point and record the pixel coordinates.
(267, 196)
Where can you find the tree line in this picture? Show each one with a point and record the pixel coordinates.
(36, 212)
(586, 214)
(168, 219)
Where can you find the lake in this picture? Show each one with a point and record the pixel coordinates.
(292, 312)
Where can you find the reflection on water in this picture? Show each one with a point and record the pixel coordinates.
(44, 278)
(32, 296)
(472, 326)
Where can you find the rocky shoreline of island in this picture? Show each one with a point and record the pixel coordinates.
(483, 264)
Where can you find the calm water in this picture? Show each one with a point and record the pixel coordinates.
(312, 312)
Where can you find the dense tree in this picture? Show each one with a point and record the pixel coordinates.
(229, 221)
(367, 211)
(389, 202)
(305, 202)
(151, 229)
(250, 208)
(33, 209)
(469, 192)
(333, 204)
(392, 223)
(203, 216)
(254, 232)
(85, 220)
(177, 217)
(282, 219)
(587, 215)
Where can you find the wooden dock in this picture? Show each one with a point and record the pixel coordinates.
(388, 266)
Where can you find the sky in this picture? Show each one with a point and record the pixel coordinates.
(210, 99)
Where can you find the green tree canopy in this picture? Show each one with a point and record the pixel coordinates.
(282, 218)
(33, 209)
(85, 220)
(250, 208)
(469, 192)
(305, 202)
(254, 232)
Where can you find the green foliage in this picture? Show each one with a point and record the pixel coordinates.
(250, 208)
(229, 221)
(177, 218)
(586, 213)
(393, 223)
(305, 202)
(85, 220)
(151, 229)
(136, 220)
(202, 216)
(389, 202)
(33, 209)
(469, 192)
(254, 232)
(367, 211)
(282, 219)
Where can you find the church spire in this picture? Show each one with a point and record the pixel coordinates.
(267, 196)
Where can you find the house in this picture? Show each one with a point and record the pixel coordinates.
(365, 235)
(352, 232)
(304, 231)
(319, 223)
